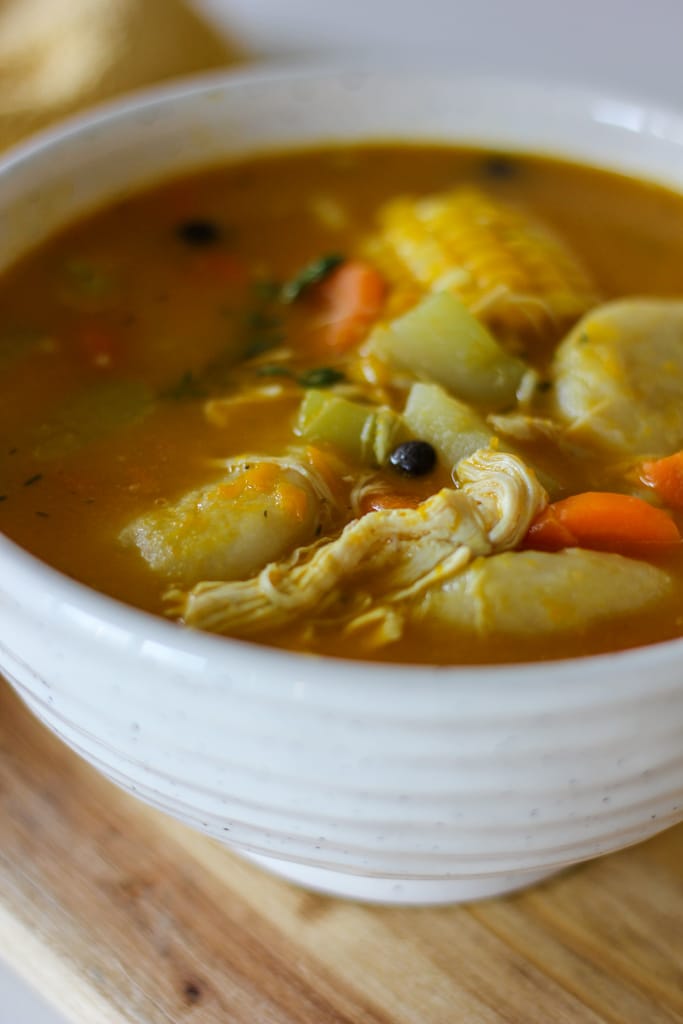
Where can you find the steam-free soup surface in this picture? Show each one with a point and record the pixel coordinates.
(211, 394)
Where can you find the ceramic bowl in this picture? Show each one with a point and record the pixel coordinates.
(403, 784)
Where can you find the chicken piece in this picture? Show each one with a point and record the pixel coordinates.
(527, 592)
(522, 427)
(504, 491)
(230, 529)
(389, 555)
(619, 378)
(509, 269)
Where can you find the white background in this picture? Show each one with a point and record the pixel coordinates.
(625, 45)
(631, 47)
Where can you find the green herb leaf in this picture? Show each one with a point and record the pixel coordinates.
(320, 377)
(263, 332)
(188, 387)
(266, 290)
(273, 370)
(312, 274)
(261, 343)
(260, 320)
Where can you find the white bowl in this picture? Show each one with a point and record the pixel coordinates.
(401, 784)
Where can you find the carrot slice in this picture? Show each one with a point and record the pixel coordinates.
(603, 521)
(548, 532)
(352, 297)
(665, 476)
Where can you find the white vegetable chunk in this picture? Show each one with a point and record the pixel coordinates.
(441, 341)
(456, 431)
(619, 377)
(452, 428)
(230, 529)
(527, 592)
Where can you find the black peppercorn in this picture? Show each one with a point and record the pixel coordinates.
(199, 232)
(414, 458)
(500, 167)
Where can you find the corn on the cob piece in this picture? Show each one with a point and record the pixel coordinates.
(510, 270)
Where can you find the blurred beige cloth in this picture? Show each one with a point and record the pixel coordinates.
(59, 55)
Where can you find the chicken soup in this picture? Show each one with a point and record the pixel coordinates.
(390, 402)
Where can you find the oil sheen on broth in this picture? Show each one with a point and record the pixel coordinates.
(405, 403)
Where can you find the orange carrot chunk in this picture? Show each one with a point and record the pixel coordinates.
(604, 522)
(351, 297)
(548, 532)
(665, 476)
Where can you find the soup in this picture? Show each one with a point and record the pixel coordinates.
(396, 402)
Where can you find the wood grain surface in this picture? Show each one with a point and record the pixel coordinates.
(120, 915)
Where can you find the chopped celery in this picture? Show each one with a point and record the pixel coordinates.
(366, 433)
(440, 340)
(452, 428)
(91, 414)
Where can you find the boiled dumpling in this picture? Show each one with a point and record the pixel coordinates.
(529, 592)
(619, 378)
(230, 529)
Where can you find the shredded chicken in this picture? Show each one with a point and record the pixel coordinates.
(506, 493)
(521, 427)
(380, 560)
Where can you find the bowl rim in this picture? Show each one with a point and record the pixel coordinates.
(614, 106)
(63, 591)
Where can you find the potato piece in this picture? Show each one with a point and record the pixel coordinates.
(452, 428)
(619, 378)
(230, 529)
(456, 431)
(527, 592)
(441, 341)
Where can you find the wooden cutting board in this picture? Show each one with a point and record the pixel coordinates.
(120, 915)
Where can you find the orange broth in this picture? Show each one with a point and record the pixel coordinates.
(121, 308)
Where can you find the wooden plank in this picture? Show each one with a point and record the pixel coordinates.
(123, 916)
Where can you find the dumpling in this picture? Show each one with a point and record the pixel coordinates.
(230, 529)
(619, 378)
(527, 592)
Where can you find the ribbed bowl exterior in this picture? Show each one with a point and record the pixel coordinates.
(393, 772)
(384, 771)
